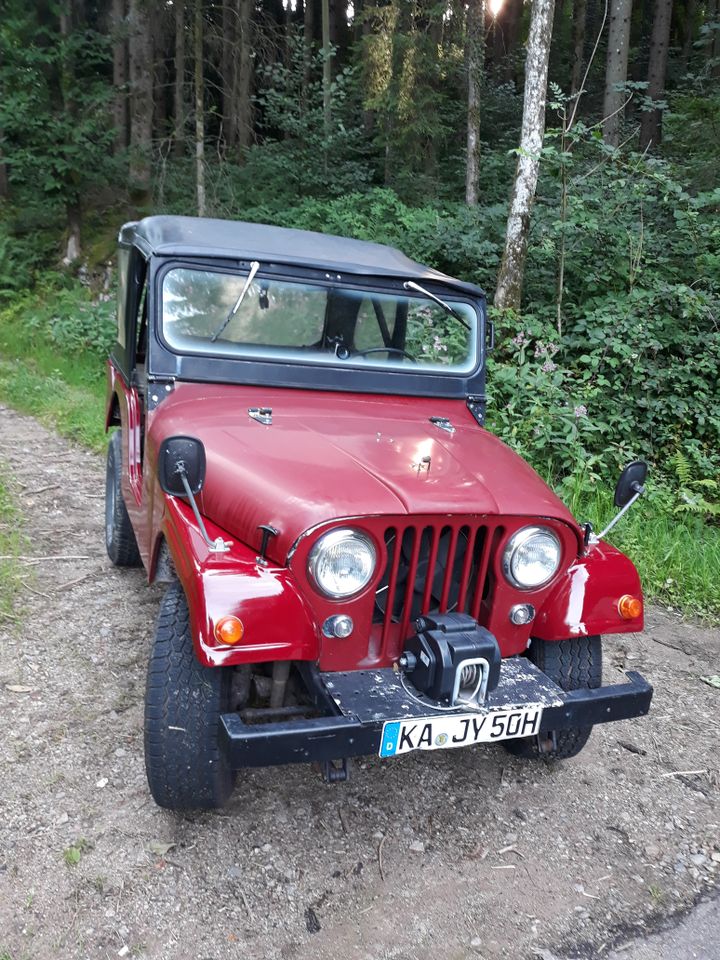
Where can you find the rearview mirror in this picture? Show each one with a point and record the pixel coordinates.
(631, 482)
(181, 456)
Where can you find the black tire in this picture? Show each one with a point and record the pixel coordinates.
(120, 539)
(573, 664)
(185, 767)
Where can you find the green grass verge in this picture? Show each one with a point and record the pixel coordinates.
(66, 391)
(10, 544)
(677, 556)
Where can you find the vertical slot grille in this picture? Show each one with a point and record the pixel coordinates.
(442, 567)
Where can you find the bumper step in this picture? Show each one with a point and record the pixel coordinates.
(360, 702)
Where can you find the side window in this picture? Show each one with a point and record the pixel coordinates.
(122, 292)
(141, 328)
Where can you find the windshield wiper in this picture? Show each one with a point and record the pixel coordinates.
(411, 285)
(254, 267)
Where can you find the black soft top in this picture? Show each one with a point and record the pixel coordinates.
(167, 236)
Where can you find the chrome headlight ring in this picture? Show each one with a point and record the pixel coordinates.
(531, 557)
(342, 563)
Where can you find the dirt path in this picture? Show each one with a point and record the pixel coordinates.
(482, 855)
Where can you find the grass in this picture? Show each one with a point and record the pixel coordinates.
(63, 389)
(10, 539)
(677, 555)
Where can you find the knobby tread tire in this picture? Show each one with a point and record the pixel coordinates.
(183, 702)
(120, 539)
(574, 664)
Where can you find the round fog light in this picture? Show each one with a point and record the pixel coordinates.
(522, 613)
(339, 626)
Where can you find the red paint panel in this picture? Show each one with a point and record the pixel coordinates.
(585, 600)
(330, 455)
(278, 622)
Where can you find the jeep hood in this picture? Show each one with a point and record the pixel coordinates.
(328, 456)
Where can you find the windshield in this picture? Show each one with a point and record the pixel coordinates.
(206, 312)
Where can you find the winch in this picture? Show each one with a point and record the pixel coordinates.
(452, 659)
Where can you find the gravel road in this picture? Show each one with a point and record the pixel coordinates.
(465, 854)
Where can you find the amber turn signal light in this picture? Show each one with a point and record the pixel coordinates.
(229, 630)
(629, 607)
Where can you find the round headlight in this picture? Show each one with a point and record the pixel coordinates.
(531, 557)
(342, 563)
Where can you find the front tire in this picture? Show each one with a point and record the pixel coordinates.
(183, 702)
(574, 664)
(120, 539)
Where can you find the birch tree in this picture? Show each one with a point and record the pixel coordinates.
(475, 46)
(616, 69)
(510, 279)
(199, 109)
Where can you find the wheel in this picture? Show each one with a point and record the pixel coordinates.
(573, 664)
(120, 539)
(185, 767)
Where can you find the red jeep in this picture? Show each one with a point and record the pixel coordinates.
(355, 565)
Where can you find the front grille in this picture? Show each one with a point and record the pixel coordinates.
(432, 568)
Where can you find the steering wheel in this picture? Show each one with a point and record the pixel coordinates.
(403, 353)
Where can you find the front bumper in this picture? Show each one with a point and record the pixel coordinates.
(357, 704)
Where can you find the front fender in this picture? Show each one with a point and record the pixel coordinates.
(585, 600)
(278, 623)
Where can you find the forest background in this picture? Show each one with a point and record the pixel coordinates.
(424, 125)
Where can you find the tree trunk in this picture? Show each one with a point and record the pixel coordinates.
(308, 27)
(711, 47)
(475, 45)
(73, 211)
(616, 70)
(141, 102)
(327, 68)
(179, 87)
(244, 77)
(510, 280)
(228, 67)
(339, 31)
(120, 75)
(578, 45)
(199, 109)
(4, 185)
(689, 29)
(651, 125)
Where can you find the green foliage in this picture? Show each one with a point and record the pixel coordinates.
(53, 107)
(52, 346)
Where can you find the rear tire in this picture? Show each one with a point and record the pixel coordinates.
(574, 664)
(120, 539)
(185, 767)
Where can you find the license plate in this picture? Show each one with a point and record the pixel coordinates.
(458, 730)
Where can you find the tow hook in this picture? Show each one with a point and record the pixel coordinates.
(336, 771)
(547, 743)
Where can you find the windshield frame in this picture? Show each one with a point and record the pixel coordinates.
(168, 362)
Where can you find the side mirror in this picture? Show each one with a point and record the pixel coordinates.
(631, 482)
(181, 457)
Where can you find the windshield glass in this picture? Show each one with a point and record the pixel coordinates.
(286, 319)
